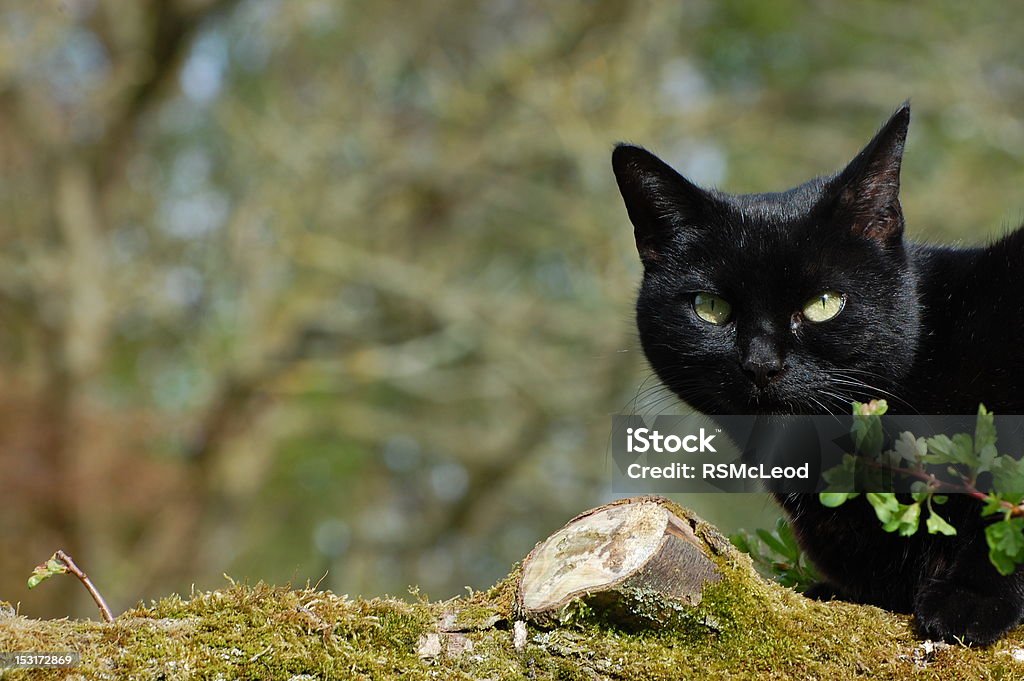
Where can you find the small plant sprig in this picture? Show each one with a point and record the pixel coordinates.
(965, 456)
(61, 563)
(777, 555)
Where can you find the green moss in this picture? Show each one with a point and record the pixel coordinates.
(744, 628)
(255, 632)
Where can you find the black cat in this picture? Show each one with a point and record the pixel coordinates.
(805, 300)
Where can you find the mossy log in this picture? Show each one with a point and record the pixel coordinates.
(629, 615)
(637, 562)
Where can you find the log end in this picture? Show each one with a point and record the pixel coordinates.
(637, 561)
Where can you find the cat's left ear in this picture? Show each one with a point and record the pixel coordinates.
(660, 202)
(867, 191)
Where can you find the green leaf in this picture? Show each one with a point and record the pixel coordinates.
(844, 476)
(940, 450)
(909, 519)
(773, 543)
(984, 430)
(867, 427)
(909, 448)
(786, 536)
(936, 524)
(1007, 476)
(1008, 536)
(872, 408)
(919, 491)
(993, 504)
(44, 571)
(1006, 544)
(1003, 563)
(895, 517)
(986, 457)
(963, 445)
(834, 499)
(885, 505)
(776, 555)
(960, 450)
(867, 435)
(739, 540)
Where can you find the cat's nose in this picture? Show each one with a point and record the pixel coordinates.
(762, 364)
(762, 372)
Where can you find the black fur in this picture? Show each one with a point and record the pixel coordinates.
(934, 330)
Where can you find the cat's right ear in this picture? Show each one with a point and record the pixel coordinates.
(659, 200)
(869, 188)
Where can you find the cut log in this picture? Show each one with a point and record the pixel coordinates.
(637, 561)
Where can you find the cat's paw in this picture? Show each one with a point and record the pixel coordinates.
(958, 614)
(822, 591)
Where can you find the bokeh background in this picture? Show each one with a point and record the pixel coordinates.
(341, 292)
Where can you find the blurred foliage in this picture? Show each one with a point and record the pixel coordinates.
(296, 287)
(777, 555)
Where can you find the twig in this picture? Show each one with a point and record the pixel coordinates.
(87, 583)
(967, 487)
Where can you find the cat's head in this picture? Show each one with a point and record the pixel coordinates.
(790, 302)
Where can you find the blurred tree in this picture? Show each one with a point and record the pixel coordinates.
(290, 287)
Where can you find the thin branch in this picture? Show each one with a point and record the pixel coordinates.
(87, 583)
(966, 487)
(171, 34)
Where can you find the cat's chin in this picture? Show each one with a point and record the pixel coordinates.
(752, 405)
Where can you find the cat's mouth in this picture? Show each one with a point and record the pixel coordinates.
(767, 402)
(777, 399)
(773, 406)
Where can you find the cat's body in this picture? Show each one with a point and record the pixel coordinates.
(973, 306)
(803, 301)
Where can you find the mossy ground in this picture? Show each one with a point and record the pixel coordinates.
(744, 628)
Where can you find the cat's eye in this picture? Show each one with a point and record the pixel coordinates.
(711, 308)
(824, 307)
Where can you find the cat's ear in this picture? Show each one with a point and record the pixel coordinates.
(867, 191)
(659, 200)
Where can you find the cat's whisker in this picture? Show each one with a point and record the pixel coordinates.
(868, 389)
(663, 400)
(842, 402)
(845, 374)
(820, 404)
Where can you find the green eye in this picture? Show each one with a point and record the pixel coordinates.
(711, 308)
(824, 307)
